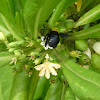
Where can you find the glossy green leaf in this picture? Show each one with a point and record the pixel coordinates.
(5, 58)
(90, 16)
(85, 3)
(83, 81)
(92, 32)
(54, 91)
(2, 47)
(80, 79)
(7, 15)
(69, 95)
(33, 84)
(19, 20)
(64, 4)
(11, 28)
(19, 5)
(6, 79)
(3, 27)
(20, 87)
(47, 9)
(41, 89)
(32, 11)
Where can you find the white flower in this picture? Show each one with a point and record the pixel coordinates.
(47, 68)
(43, 43)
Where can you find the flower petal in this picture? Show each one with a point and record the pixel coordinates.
(42, 43)
(46, 47)
(50, 47)
(42, 38)
(39, 67)
(42, 72)
(52, 70)
(55, 65)
(47, 75)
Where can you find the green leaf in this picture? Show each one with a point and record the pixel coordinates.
(47, 9)
(33, 84)
(69, 95)
(92, 32)
(84, 5)
(80, 79)
(31, 15)
(2, 47)
(90, 16)
(6, 78)
(20, 87)
(7, 15)
(64, 4)
(5, 58)
(41, 89)
(19, 5)
(54, 91)
(19, 20)
(3, 27)
(11, 28)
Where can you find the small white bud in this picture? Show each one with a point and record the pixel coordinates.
(96, 47)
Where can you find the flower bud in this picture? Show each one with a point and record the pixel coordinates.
(75, 54)
(2, 36)
(96, 47)
(12, 44)
(81, 45)
(37, 61)
(95, 61)
(17, 53)
(11, 50)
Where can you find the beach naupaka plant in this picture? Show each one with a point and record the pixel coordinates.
(48, 49)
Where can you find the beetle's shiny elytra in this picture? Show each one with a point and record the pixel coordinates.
(52, 39)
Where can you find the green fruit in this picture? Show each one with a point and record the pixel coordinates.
(84, 59)
(81, 45)
(95, 60)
